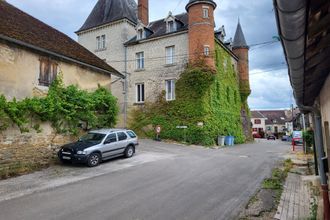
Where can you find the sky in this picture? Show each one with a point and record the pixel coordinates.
(268, 71)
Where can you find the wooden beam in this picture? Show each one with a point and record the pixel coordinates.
(318, 58)
(317, 46)
(319, 27)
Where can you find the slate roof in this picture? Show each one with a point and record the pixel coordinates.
(158, 28)
(191, 2)
(274, 116)
(107, 11)
(239, 39)
(20, 28)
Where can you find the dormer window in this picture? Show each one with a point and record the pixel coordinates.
(170, 26)
(140, 34)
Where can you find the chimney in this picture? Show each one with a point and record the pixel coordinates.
(143, 11)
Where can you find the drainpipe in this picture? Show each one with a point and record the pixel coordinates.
(125, 90)
(318, 136)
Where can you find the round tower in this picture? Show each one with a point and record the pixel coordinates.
(201, 30)
(241, 50)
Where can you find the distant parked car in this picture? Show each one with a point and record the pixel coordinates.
(285, 138)
(100, 145)
(256, 135)
(271, 137)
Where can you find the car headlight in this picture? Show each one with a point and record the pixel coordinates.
(82, 152)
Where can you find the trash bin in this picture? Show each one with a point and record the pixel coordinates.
(232, 140)
(227, 140)
(221, 141)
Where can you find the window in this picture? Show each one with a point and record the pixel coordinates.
(169, 55)
(205, 13)
(121, 136)
(140, 60)
(206, 50)
(111, 138)
(140, 93)
(100, 42)
(140, 34)
(257, 121)
(170, 89)
(48, 72)
(170, 26)
(131, 134)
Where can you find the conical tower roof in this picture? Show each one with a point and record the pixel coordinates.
(239, 39)
(106, 11)
(192, 2)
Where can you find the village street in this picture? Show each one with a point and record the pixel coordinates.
(162, 181)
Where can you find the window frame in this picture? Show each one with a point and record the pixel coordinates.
(170, 27)
(140, 92)
(257, 121)
(206, 51)
(106, 139)
(121, 132)
(101, 42)
(48, 71)
(171, 57)
(206, 13)
(140, 34)
(139, 60)
(170, 95)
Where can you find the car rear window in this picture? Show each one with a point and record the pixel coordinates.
(131, 134)
(122, 136)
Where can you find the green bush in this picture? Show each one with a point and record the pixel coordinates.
(67, 108)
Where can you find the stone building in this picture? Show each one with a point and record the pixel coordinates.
(153, 54)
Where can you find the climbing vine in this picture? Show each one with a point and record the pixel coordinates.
(207, 101)
(67, 108)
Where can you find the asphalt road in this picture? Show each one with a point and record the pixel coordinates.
(190, 183)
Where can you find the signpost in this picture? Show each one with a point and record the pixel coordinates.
(184, 131)
(158, 130)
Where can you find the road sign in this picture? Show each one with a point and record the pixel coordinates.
(158, 129)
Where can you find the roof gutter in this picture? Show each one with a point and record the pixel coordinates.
(60, 56)
(291, 17)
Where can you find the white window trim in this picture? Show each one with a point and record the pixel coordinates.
(172, 94)
(172, 56)
(206, 51)
(206, 12)
(168, 26)
(142, 36)
(101, 42)
(139, 64)
(138, 88)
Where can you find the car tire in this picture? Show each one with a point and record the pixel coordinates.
(129, 151)
(94, 160)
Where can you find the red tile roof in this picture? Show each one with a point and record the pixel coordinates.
(18, 27)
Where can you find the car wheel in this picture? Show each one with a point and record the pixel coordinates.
(129, 151)
(94, 159)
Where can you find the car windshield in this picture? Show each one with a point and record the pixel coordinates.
(92, 137)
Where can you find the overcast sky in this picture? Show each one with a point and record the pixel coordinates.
(268, 73)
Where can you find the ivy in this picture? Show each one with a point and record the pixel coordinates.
(203, 95)
(66, 108)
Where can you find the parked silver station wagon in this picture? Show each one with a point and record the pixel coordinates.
(99, 145)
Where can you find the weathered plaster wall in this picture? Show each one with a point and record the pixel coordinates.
(325, 111)
(19, 73)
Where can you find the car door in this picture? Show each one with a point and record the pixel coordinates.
(109, 145)
(122, 141)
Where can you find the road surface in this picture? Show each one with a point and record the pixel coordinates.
(183, 182)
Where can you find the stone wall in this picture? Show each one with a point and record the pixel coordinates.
(25, 152)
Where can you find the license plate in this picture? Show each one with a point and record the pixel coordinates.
(66, 158)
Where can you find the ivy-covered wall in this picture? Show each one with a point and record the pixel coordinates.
(207, 101)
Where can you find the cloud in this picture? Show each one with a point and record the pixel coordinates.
(269, 89)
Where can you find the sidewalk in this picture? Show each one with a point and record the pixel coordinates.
(297, 197)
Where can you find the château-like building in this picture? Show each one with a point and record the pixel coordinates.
(153, 54)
